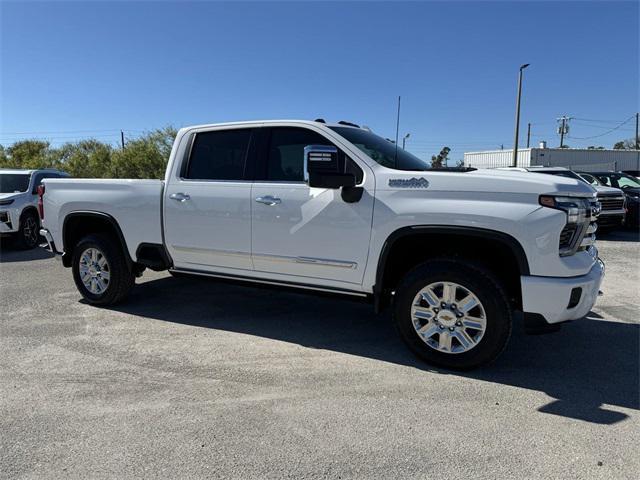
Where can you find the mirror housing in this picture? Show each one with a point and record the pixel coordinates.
(321, 168)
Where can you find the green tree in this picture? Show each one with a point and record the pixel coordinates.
(145, 157)
(86, 159)
(4, 159)
(440, 160)
(31, 154)
(628, 144)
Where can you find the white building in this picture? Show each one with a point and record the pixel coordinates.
(573, 158)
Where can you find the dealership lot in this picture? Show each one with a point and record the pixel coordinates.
(194, 378)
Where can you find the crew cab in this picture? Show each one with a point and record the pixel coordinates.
(18, 204)
(336, 208)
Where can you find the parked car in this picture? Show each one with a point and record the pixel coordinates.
(18, 204)
(633, 173)
(336, 208)
(612, 201)
(630, 185)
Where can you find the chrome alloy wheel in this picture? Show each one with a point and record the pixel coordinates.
(30, 231)
(94, 271)
(448, 317)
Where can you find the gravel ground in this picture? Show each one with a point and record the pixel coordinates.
(194, 378)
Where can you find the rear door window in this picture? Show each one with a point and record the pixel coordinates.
(219, 155)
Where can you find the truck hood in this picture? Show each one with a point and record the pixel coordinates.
(610, 191)
(482, 180)
(10, 196)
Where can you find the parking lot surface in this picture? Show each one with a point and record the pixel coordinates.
(195, 378)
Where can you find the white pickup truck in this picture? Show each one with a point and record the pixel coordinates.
(336, 208)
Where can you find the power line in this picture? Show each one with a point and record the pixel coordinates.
(605, 133)
(68, 131)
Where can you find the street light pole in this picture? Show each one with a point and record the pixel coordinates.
(404, 139)
(514, 163)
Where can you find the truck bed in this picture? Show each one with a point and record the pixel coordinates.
(134, 204)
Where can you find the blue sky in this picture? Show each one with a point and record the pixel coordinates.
(73, 70)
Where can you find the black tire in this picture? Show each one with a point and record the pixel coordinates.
(121, 278)
(28, 231)
(478, 281)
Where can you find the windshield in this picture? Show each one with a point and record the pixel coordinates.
(619, 180)
(591, 179)
(382, 151)
(564, 173)
(14, 182)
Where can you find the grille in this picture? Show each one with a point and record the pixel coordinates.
(611, 203)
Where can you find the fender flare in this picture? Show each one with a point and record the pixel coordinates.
(506, 239)
(66, 258)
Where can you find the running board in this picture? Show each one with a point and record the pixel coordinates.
(302, 286)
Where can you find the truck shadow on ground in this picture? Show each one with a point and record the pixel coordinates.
(586, 366)
(10, 253)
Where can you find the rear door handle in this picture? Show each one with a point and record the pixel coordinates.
(269, 200)
(179, 197)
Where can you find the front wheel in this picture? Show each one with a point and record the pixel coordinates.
(100, 270)
(453, 314)
(28, 231)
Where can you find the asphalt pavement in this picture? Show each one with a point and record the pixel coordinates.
(192, 378)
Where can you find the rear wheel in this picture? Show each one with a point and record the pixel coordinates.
(453, 314)
(28, 231)
(100, 270)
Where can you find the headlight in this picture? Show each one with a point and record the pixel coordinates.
(6, 202)
(578, 209)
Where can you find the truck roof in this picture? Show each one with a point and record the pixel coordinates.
(318, 122)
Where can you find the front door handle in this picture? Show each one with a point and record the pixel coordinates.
(269, 200)
(179, 197)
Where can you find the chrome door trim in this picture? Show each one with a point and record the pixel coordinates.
(325, 262)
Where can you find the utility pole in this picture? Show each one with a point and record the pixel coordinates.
(404, 140)
(564, 128)
(515, 143)
(395, 161)
(528, 134)
(637, 138)
(122, 138)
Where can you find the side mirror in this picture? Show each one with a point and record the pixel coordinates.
(321, 168)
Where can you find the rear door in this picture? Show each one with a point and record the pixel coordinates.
(207, 207)
(306, 235)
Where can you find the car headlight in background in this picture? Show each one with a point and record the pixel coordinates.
(6, 202)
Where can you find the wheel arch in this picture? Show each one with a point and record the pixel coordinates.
(29, 209)
(78, 224)
(393, 261)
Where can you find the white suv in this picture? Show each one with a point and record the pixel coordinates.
(19, 203)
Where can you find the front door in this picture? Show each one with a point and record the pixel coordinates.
(306, 234)
(208, 208)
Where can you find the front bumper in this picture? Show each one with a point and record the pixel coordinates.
(551, 297)
(8, 223)
(608, 218)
